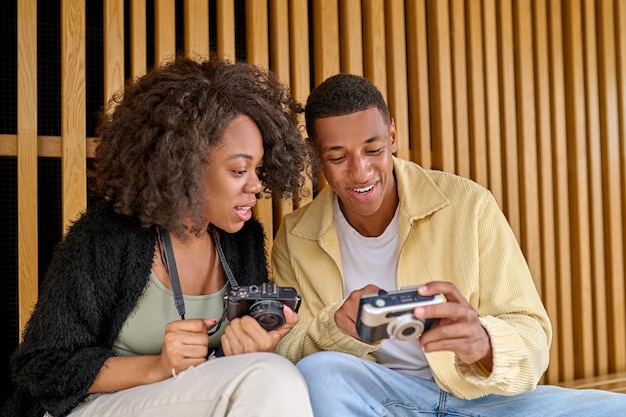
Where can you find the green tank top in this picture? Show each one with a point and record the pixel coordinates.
(143, 331)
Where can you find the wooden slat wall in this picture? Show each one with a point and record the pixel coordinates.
(526, 97)
(26, 151)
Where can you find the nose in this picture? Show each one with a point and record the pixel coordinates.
(253, 185)
(359, 169)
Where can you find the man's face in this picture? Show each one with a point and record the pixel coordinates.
(356, 151)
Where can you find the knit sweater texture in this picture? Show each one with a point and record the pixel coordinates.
(98, 272)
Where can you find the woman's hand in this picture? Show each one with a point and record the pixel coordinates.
(245, 335)
(185, 344)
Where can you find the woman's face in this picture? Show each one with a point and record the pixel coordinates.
(232, 178)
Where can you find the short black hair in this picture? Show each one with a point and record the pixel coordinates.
(343, 94)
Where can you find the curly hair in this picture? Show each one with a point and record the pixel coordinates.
(343, 94)
(153, 146)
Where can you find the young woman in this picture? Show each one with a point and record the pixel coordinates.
(131, 309)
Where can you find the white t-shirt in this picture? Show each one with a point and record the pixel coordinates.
(373, 260)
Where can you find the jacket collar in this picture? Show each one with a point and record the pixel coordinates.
(419, 197)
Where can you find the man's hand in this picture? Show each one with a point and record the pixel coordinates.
(458, 328)
(346, 316)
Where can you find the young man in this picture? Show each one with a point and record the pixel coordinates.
(385, 223)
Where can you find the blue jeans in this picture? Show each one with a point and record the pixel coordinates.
(343, 385)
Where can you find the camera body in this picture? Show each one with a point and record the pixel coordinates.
(390, 315)
(263, 302)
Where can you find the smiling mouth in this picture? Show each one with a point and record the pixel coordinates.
(363, 190)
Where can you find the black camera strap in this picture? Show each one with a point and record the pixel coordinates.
(170, 263)
(220, 253)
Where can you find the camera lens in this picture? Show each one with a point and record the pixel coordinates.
(269, 313)
(405, 327)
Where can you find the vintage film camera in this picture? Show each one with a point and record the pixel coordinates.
(390, 315)
(263, 302)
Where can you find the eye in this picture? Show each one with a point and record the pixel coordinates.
(375, 151)
(335, 159)
(239, 172)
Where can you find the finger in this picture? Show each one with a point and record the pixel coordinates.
(291, 319)
(238, 333)
(189, 325)
(345, 323)
(225, 344)
(447, 289)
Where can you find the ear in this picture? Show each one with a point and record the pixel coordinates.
(393, 140)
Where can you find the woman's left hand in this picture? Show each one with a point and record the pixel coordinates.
(245, 335)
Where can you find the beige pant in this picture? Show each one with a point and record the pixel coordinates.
(250, 385)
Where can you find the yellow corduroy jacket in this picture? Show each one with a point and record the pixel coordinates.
(450, 229)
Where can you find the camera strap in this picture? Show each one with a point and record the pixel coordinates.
(220, 253)
(170, 262)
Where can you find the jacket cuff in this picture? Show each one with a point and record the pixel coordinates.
(341, 341)
(507, 373)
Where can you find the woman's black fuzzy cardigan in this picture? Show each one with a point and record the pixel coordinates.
(97, 274)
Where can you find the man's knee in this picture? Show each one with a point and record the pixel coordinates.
(329, 364)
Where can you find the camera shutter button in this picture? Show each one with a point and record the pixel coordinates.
(380, 302)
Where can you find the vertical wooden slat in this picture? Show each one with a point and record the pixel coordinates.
(508, 110)
(397, 88)
(73, 103)
(564, 332)
(300, 64)
(620, 22)
(138, 55)
(325, 39)
(27, 248)
(531, 244)
(546, 191)
(612, 201)
(258, 53)
(299, 49)
(257, 33)
(579, 190)
(279, 62)
(113, 47)
(460, 100)
(196, 29)
(225, 10)
(492, 102)
(440, 67)
(599, 355)
(164, 31)
(418, 83)
(351, 36)
(374, 53)
(477, 152)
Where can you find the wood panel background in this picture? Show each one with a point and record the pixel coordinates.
(526, 97)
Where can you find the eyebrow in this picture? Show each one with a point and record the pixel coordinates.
(339, 147)
(240, 155)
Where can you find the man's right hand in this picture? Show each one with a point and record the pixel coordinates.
(346, 316)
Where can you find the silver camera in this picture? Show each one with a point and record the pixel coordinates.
(390, 315)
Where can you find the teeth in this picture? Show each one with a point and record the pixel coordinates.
(243, 208)
(363, 190)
